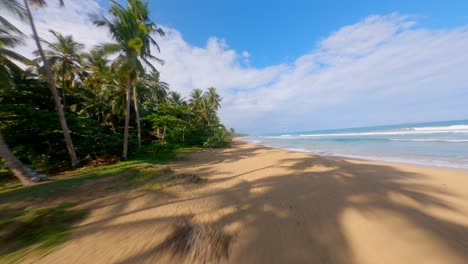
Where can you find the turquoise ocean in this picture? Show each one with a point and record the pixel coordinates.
(441, 144)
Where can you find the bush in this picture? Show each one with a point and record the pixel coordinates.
(221, 138)
(157, 152)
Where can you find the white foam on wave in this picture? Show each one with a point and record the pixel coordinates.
(386, 133)
(253, 141)
(434, 162)
(424, 161)
(430, 140)
(282, 137)
(461, 129)
(298, 150)
(442, 128)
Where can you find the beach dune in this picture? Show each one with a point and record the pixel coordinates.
(287, 207)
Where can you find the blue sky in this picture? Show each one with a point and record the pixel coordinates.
(280, 31)
(303, 65)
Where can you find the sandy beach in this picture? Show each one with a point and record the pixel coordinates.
(286, 207)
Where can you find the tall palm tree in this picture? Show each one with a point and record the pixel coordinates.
(156, 89)
(131, 29)
(151, 92)
(64, 57)
(207, 111)
(50, 76)
(10, 37)
(176, 98)
(140, 11)
(195, 99)
(8, 57)
(213, 97)
(103, 96)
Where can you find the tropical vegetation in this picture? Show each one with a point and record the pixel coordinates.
(73, 104)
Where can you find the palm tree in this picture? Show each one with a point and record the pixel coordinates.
(19, 11)
(10, 37)
(196, 97)
(64, 56)
(151, 92)
(8, 57)
(176, 98)
(207, 111)
(213, 97)
(131, 29)
(25, 175)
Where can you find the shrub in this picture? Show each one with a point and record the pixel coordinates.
(221, 138)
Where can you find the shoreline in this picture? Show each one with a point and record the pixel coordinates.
(350, 158)
(281, 206)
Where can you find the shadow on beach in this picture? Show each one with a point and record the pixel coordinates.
(293, 210)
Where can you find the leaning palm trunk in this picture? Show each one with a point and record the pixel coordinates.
(53, 90)
(64, 99)
(127, 116)
(137, 113)
(23, 173)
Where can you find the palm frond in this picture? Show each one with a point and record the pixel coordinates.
(14, 7)
(7, 27)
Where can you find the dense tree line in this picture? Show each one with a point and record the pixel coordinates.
(70, 104)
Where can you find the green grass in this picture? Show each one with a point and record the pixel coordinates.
(41, 227)
(29, 225)
(61, 183)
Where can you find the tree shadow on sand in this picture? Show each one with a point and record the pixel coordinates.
(292, 214)
(296, 217)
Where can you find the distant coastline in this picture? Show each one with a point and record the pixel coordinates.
(435, 144)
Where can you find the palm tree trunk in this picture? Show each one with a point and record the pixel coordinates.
(53, 90)
(127, 116)
(23, 173)
(63, 89)
(137, 113)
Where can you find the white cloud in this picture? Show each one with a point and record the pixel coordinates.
(73, 19)
(189, 67)
(381, 70)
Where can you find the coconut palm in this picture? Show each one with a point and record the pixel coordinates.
(21, 12)
(195, 99)
(213, 97)
(8, 57)
(175, 98)
(207, 111)
(64, 57)
(151, 91)
(25, 175)
(10, 37)
(131, 29)
(103, 96)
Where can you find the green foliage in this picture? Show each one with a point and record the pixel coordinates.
(190, 124)
(35, 137)
(221, 138)
(42, 226)
(93, 89)
(157, 152)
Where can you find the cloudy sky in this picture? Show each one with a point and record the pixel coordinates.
(380, 66)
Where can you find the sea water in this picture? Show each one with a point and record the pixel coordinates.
(442, 144)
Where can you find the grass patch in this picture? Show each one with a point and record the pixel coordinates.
(41, 228)
(28, 226)
(67, 181)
